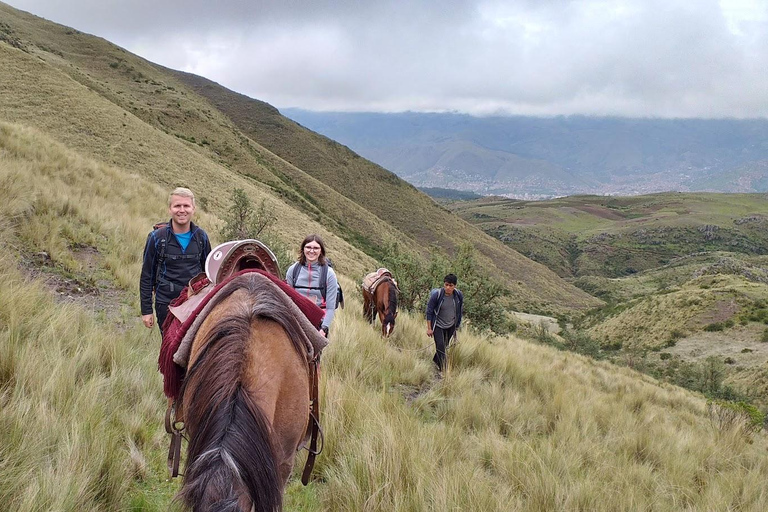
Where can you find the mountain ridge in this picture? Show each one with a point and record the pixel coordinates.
(556, 156)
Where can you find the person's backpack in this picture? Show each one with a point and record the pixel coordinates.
(323, 282)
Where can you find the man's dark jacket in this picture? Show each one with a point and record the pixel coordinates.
(436, 297)
(172, 274)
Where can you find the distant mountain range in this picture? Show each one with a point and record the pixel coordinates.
(526, 157)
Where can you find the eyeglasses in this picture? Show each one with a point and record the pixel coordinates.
(312, 249)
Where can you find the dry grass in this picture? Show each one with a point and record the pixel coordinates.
(516, 426)
(512, 426)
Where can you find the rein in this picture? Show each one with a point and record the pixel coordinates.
(314, 421)
(174, 426)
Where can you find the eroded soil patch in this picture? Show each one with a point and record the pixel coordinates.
(741, 344)
(96, 295)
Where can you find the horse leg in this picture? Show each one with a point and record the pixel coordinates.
(368, 307)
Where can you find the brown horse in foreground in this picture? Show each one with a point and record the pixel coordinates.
(383, 301)
(246, 400)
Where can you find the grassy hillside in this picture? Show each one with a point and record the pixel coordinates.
(683, 275)
(511, 426)
(702, 309)
(116, 132)
(165, 125)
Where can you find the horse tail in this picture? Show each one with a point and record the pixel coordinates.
(230, 451)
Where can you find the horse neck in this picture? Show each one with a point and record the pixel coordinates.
(386, 296)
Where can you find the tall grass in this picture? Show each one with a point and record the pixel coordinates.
(516, 426)
(75, 395)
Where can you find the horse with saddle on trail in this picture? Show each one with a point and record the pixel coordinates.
(239, 360)
(380, 295)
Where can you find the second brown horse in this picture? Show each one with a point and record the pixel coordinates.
(383, 301)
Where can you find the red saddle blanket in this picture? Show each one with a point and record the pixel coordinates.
(174, 329)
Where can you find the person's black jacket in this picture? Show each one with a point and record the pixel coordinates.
(169, 277)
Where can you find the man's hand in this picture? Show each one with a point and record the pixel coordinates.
(429, 331)
(149, 320)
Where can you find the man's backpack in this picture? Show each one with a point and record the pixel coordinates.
(323, 281)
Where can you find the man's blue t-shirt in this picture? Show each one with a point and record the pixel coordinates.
(184, 239)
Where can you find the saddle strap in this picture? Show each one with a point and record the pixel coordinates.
(174, 450)
(314, 415)
(174, 454)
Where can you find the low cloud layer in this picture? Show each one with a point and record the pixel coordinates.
(661, 58)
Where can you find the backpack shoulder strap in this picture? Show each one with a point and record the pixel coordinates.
(200, 238)
(163, 243)
(323, 280)
(295, 272)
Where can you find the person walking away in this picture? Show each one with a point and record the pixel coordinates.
(314, 278)
(173, 254)
(444, 310)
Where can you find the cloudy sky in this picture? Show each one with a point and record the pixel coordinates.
(666, 58)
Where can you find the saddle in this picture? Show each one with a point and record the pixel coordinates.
(374, 279)
(224, 261)
(229, 258)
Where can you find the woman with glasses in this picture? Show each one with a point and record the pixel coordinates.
(314, 278)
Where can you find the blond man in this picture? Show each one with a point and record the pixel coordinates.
(173, 254)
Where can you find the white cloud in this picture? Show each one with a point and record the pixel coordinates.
(663, 58)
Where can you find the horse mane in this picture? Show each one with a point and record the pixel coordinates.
(230, 452)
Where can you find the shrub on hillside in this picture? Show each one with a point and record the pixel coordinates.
(242, 221)
(726, 416)
(581, 342)
(711, 376)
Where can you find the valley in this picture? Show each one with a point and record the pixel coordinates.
(683, 276)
